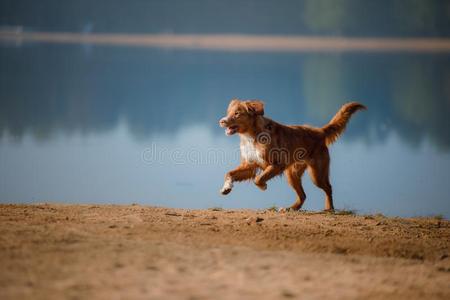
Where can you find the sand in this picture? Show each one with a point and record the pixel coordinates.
(51, 251)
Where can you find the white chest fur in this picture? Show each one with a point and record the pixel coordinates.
(249, 152)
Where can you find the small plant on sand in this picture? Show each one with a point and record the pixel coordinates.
(344, 212)
(216, 208)
(273, 208)
(379, 215)
(438, 217)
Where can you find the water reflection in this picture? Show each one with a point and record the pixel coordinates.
(75, 122)
(47, 88)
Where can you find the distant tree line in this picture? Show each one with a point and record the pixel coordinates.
(307, 17)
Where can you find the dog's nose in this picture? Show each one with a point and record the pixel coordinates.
(223, 122)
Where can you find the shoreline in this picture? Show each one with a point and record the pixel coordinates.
(236, 42)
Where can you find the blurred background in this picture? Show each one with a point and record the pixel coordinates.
(96, 108)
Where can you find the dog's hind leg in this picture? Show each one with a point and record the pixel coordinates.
(243, 172)
(318, 169)
(294, 178)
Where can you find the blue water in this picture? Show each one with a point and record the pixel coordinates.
(97, 124)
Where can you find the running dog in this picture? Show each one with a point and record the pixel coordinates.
(269, 148)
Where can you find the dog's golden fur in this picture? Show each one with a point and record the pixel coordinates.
(273, 148)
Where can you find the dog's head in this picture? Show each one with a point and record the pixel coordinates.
(241, 116)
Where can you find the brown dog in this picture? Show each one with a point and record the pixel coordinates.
(274, 148)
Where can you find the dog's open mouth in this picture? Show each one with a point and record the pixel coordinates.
(231, 130)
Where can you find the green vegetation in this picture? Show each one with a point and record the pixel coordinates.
(439, 217)
(273, 208)
(216, 208)
(344, 212)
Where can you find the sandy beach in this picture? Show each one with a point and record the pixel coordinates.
(51, 251)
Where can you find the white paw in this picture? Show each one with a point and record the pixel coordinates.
(227, 187)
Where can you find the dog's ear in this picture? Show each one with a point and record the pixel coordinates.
(255, 106)
(233, 102)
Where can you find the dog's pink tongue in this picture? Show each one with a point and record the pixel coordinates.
(230, 130)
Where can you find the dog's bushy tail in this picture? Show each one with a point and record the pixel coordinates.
(337, 125)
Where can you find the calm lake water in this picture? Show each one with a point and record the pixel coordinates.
(103, 124)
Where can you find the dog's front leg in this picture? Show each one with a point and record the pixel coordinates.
(267, 174)
(243, 172)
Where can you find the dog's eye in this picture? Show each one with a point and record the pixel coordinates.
(236, 114)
